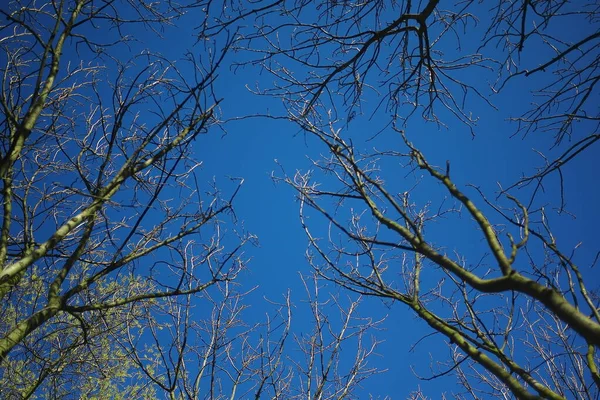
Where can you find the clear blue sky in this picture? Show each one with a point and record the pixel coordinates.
(255, 148)
(494, 155)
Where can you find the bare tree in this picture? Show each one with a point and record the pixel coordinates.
(104, 215)
(109, 237)
(339, 60)
(326, 372)
(224, 357)
(491, 313)
(518, 314)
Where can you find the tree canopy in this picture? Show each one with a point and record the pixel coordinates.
(426, 230)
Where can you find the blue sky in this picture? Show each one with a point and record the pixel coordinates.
(253, 148)
(256, 148)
